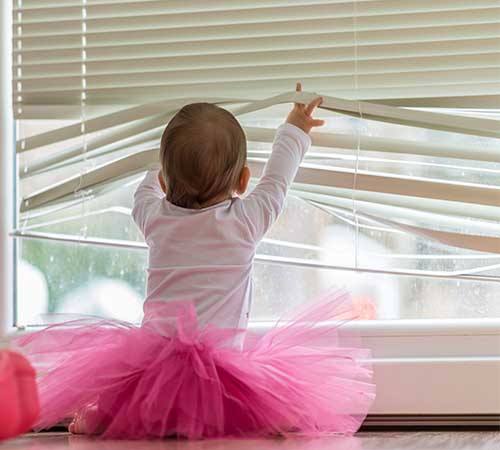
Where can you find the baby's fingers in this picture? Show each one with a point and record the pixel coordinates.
(313, 105)
(316, 122)
(298, 88)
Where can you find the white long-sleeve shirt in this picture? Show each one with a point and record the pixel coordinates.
(206, 255)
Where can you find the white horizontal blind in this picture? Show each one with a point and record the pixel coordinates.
(122, 69)
(406, 52)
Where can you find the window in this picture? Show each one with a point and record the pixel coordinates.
(398, 199)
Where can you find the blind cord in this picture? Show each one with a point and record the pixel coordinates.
(358, 140)
(19, 99)
(79, 192)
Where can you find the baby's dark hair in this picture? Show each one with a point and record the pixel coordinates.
(202, 153)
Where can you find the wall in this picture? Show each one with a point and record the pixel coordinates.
(6, 172)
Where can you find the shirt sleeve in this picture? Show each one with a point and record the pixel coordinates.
(146, 197)
(264, 204)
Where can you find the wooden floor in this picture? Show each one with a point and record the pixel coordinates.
(363, 441)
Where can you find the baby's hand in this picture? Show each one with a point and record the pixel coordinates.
(301, 115)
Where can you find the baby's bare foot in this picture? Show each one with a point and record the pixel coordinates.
(77, 426)
(86, 422)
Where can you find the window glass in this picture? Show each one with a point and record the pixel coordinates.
(73, 278)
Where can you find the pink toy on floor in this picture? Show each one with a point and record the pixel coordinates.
(19, 407)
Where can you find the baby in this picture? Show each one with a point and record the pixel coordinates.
(185, 371)
(201, 235)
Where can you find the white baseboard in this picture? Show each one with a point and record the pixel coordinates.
(437, 386)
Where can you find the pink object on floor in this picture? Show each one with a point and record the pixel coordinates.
(18, 395)
(172, 377)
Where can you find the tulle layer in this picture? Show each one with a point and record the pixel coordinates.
(171, 377)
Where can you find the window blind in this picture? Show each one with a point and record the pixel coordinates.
(131, 52)
(120, 70)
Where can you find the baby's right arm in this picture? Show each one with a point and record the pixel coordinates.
(147, 195)
(263, 206)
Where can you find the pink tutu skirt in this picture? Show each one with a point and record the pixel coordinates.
(171, 377)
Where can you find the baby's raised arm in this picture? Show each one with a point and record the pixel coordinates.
(147, 196)
(263, 206)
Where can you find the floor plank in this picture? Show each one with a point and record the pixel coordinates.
(485, 440)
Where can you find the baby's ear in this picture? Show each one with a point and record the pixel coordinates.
(244, 180)
(161, 180)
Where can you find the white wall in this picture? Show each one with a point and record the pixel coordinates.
(6, 165)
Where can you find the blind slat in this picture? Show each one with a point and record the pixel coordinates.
(252, 10)
(258, 39)
(412, 206)
(173, 5)
(219, 25)
(480, 243)
(441, 213)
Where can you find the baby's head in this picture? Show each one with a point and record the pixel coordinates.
(203, 154)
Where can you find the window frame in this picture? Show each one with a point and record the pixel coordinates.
(7, 172)
(419, 365)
